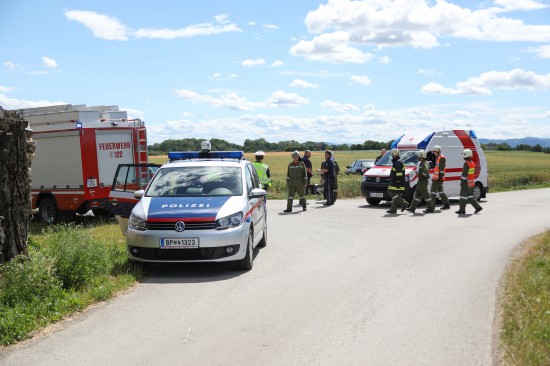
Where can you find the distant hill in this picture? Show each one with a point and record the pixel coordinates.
(532, 141)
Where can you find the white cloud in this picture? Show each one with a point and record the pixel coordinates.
(299, 83)
(270, 27)
(339, 107)
(330, 47)
(252, 63)
(10, 66)
(483, 84)
(49, 62)
(347, 25)
(228, 100)
(542, 51)
(102, 26)
(361, 79)
(384, 60)
(5, 89)
(218, 76)
(511, 5)
(429, 72)
(12, 103)
(110, 28)
(231, 100)
(282, 99)
(277, 63)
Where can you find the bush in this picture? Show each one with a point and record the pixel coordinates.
(25, 280)
(79, 257)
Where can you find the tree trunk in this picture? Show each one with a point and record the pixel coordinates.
(15, 192)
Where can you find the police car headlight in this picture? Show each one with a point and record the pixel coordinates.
(230, 221)
(137, 223)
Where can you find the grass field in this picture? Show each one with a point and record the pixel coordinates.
(508, 170)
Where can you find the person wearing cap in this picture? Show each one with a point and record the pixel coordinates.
(296, 178)
(421, 191)
(438, 177)
(309, 169)
(467, 184)
(262, 169)
(329, 174)
(396, 187)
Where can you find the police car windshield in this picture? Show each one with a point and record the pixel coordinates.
(409, 158)
(196, 181)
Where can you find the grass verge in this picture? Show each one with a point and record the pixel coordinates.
(525, 306)
(69, 267)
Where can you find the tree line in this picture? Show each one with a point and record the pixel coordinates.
(192, 144)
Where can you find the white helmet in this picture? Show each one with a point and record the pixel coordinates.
(422, 154)
(394, 152)
(436, 148)
(259, 153)
(467, 153)
(295, 153)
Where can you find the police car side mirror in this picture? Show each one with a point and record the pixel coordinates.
(258, 193)
(139, 194)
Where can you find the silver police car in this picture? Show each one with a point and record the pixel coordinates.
(200, 207)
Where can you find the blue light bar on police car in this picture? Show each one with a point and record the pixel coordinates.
(186, 155)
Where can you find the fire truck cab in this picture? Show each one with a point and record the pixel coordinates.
(375, 181)
(78, 150)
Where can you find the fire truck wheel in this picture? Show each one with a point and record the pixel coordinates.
(47, 211)
(101, 212)
(373, 201)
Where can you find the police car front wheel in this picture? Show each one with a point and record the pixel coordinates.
(245, 264)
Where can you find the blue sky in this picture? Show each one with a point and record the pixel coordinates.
(340, 71)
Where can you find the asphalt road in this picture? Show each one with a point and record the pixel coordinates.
(343, 285)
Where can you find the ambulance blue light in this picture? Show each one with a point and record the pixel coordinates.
(473, 134)
(396, 142)
(186, 155)
(424, 143)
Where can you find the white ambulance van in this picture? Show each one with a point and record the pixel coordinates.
(375, 181)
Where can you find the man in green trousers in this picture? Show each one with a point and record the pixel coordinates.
(296, 180)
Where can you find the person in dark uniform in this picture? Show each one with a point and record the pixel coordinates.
(309, 169)
(396, 188)
(296, 178)
(382, 153)
(329, 173)
(467, 184)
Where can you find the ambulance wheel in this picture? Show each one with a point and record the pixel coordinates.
(47, 211)
(373, 201)
(245, 264)
(478, 191)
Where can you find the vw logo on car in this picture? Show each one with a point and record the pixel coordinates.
(179, 226)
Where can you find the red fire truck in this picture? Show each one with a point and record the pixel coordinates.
(78, 150)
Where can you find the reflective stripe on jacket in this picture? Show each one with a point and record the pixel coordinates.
(471, 171)
(435, 176)
(397, 176)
